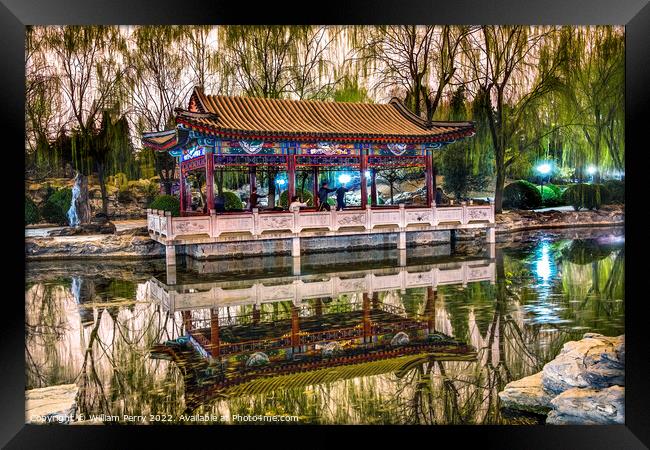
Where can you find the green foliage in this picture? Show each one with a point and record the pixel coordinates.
(585, 251)
(167, 203)
(588, 196)
(32, 214)
(521, 195)
(124, 194)
(305, 195)
(150, 190)
(551, 195)
(119, 180)
(56, 206)
(232, 201)
(616, 190)
(457, 168)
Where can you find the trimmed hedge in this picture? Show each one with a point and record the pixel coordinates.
(32, 214)
(56, 206)
(521, 194)
(551, 195)
(616, 190)
(306, 196)
(167, 203)
(588, 196)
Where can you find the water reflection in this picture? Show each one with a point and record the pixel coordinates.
(120, 331)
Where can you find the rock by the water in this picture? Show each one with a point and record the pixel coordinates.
(588, 406)
(595, 361)
(400, 338)
(53, 404)
(527, 394)
(257, 359)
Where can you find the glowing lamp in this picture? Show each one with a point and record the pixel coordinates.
(344, 178)
(591, 170)
(544, 168)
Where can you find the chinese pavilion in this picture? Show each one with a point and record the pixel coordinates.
(245, 132)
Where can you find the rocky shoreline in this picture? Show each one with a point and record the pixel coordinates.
(583, 385)
(135, 243)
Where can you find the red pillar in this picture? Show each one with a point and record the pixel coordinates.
(181, 186)
(214, 332)
(295, 327)
(434, 173)
(373, 187)
(252, 178)
(429, 182)
(366, 318)
(318, 307)
(256, 314)
(363, 157)
(430, 309)
(315, 185)
(375, 300)
(291, 176)
(209, 180)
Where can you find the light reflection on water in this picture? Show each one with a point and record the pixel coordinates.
(548, 290)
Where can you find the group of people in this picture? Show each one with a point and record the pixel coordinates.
(323, 194)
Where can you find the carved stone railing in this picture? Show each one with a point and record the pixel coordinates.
(258, 224)
(227, 294)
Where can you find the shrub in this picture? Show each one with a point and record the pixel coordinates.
(119, 180)
(306, 196)
(521, 195)
(124, 194)
(616, 191)
(56, 206)
(167, 203)
(32, 215)
(150, 190)
(588, 196)
(551, 195)
(232, 201)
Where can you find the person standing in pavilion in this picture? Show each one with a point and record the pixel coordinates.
(323, 193)
(340, 197)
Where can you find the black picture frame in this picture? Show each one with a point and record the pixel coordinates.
(15, 14)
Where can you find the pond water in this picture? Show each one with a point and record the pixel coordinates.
(475, 319)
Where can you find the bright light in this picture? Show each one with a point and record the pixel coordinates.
(280, 181)
(544, 168)
(543, 268)
(344, 178)
(367, 173)
(591, 170)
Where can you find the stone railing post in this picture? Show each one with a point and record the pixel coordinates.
(434, 210)
(213, 223)
(402, 215)
(256, 221)
(333, 222)
(368, 217)
(296, 222)
(168, 224)
(463, 219)
(492, 219)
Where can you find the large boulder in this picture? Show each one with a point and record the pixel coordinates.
(399, 339)
(596, 361)
(527, 394)
(52, 404)
(257, 359)
(588, 407)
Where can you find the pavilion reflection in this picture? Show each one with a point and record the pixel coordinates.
(258, 335)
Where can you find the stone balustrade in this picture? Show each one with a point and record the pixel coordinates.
(258, 224)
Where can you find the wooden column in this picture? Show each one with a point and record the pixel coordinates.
(373, 187)
(187, 320)
(430, 309)
(295, 327)
(434, 173)
(209, 179)
(214, 331)
(315, 187)
(375, 300)
(252, 178)
(366, 318)
(429, 182)
(256, 314)
(291, 174)
(318, 306)
(363, 159)
(181, 185)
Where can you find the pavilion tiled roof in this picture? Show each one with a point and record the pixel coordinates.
(261, 118)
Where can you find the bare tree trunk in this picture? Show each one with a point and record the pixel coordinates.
(102, 188)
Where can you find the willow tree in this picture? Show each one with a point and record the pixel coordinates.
(595, 81)
(416, 62)
(90, 77)
(509, 67)
(157, 86)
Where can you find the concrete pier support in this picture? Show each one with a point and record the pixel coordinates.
(296, 265)
(401, 241)
(170, 255)
(171, 274)
(295, 246)
(402, 257)
(491, 235)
